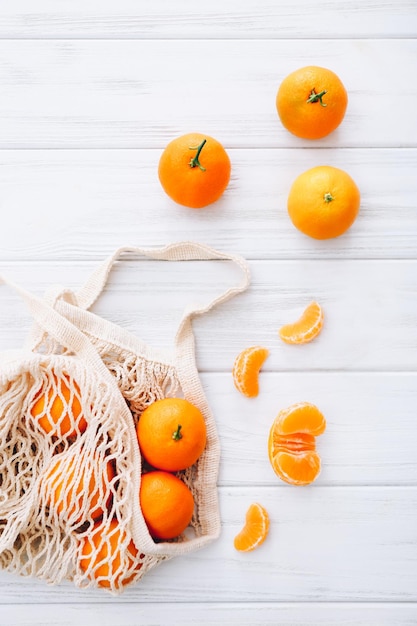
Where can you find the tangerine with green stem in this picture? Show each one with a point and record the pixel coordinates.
(194, 170)
(171, 434)
(311, 102)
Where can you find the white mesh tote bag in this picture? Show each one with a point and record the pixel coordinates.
(70, 463)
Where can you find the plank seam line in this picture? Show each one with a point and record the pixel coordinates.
(87, 148)
(179, 38)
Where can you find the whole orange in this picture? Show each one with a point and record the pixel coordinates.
(167, 504)
(77, 491)
(107, 554)
(311, 102)
(323, 202)
(194, 170)
(57, 408)
(171, 434)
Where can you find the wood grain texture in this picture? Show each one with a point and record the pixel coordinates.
(91, 92)
(370, 437)
(53, 201)
(182, 19)
(212, 614)
(325, 544)
(108, 94)
(148, 297)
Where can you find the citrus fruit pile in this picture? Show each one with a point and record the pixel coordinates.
(171, 434)
(323, 202)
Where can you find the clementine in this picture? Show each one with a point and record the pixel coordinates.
(57, 407)
(292, 445)
(306, 328)
(194, 170)
(109, 556)
(311, 102)
(323, 202)
(255, 530)
(76, 490)
(167, 504)
(246, 370)
(171, 434)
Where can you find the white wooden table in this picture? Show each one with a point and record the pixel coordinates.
(91, 92)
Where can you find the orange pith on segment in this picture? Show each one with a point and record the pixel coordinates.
(246, 370)
(255, 530)
(306, 328)
(292, 443)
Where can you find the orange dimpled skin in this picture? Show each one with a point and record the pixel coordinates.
(311, 102)
(246, 370)
(292, 444)
(167, 504)
(107, 553)
(57, 408)
(323, 202)
(79, 492)
(306, 328)
(194, 170)
(255, 530)
(171, 434)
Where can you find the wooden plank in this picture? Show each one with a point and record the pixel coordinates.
(52, 202)
(212, 614)
(370, 309)
(370, 439)
(264, 18)
(325, 544)
(134, 94)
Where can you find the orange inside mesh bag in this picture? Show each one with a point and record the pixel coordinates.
(70, 465)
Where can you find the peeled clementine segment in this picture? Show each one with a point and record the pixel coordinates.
(292, 443)
(306, 328)
(302, 417)
(246, 370)
(297, 468)
(255, 529)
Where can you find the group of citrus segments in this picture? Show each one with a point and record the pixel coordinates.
(292, 436)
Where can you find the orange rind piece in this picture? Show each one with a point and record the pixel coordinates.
(292, 443)
(246, 370)
(255, 530)
(306, 328)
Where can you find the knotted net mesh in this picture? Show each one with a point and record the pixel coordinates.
(70, 467)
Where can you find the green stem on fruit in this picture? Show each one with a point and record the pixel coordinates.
(317, 97)
(176, 435)
(328, 197)
(195, 162)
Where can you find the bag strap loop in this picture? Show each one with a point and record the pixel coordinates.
(181, 251)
